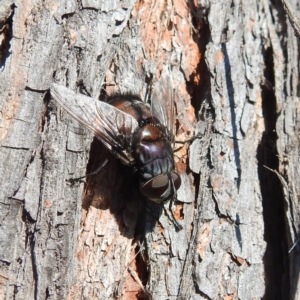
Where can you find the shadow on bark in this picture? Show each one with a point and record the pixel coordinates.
(230, 91)
(116, 187)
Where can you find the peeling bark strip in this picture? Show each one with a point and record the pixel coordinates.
(235, 70)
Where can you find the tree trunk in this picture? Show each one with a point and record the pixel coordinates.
(235, 75)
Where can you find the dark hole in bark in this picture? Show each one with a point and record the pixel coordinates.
(16, 290)
(5, 38)
(276, 255)
(142, 271)
(118, 23)
(47, 293)
(27, 219)
(199, 83)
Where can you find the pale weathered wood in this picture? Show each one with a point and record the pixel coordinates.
(235, 75)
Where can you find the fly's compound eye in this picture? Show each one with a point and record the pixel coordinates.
(160, 188)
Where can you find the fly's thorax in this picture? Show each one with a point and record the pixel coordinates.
(132, 105)
(150, 145)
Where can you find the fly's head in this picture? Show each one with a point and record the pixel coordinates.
(161, 188)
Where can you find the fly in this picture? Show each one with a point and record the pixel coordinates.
(140, 136)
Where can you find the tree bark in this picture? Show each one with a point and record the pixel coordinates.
(235, 75)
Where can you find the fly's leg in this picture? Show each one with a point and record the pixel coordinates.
(197, 136)
(74, 180)
(177, 226)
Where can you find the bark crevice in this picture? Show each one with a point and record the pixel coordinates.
(276, 269)
(6, 26)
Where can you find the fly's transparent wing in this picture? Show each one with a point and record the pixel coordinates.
(162, 102)
(110, 125)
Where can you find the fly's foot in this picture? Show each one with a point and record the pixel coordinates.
(197, 136)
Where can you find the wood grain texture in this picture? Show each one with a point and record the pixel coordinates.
(235, 75)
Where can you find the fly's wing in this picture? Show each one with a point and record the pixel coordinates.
(162, 102)
(110, 125)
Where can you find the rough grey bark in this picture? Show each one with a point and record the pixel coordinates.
(287, 128)
(234, 66)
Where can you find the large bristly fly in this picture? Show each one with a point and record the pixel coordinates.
(139, 135)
